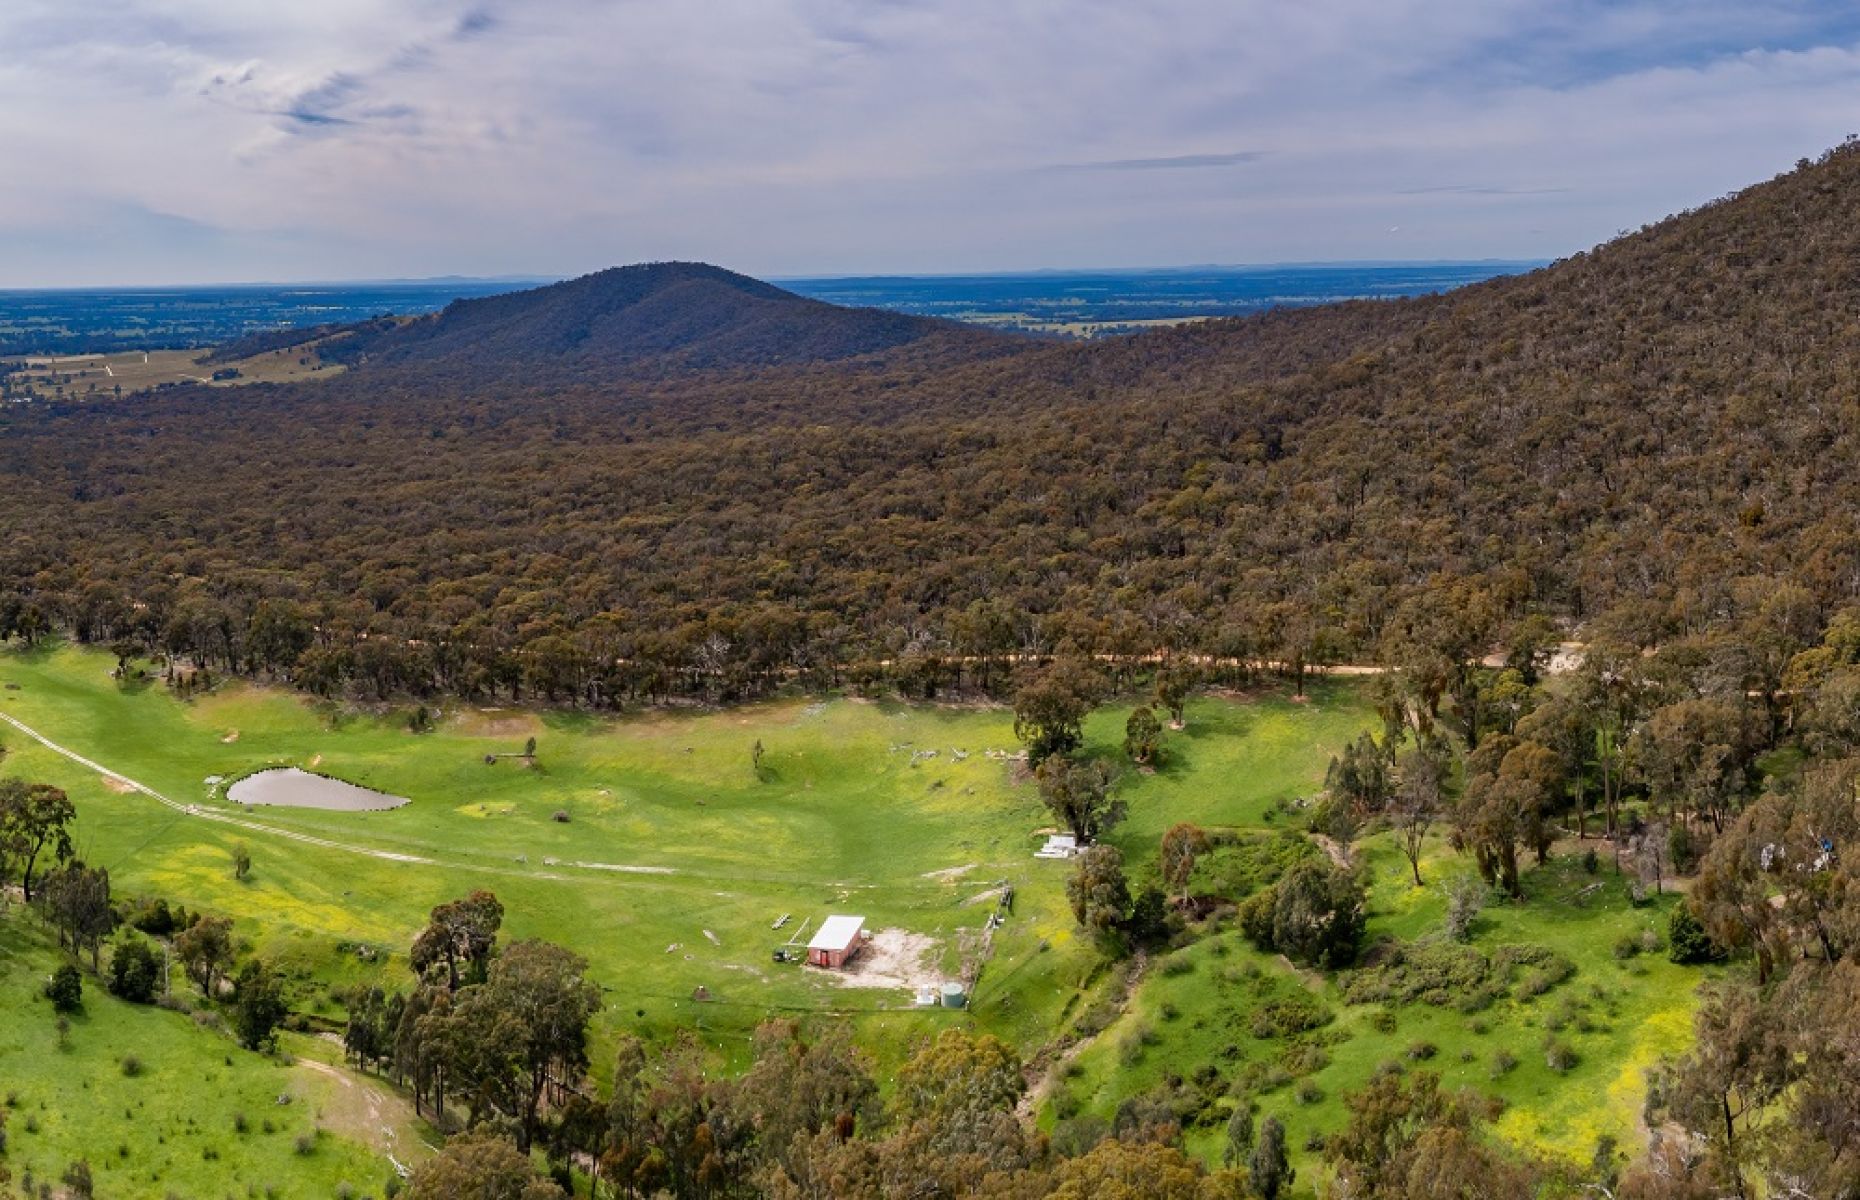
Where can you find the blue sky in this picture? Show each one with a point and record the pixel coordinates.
(166, 141)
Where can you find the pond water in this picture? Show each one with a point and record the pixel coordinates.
(288, 787)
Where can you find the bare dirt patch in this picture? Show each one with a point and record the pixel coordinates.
(232, 735)
(116, 785)
(499, 723)
(893, 958)
(367, 1112)
(950, 873)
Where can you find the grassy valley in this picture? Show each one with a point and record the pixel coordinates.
(654, 847)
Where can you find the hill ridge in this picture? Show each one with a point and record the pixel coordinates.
(673, 314)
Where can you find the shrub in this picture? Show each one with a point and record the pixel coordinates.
(560, 816)
(1590, 862)
(134, 971)
(1317, 914)
(1256, 917)
(1687, 943)
(1546, 972)
(1626, 947)
(1465, 897)
(1461, 977)
(1685, 848)
(1422, 1051)
(1308, 1092)
(1295, 1012)
(132, 1066)
(1503, 1063)
(155, 917)
(65, 989)
(1558, 1054)
(1382, 1020)
(77, 1181)
(1304, 1059)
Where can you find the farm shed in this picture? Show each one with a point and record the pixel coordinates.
(836, 941)
(1059, 845)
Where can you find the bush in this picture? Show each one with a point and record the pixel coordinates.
(77, 1181)
(1316, 915)
(1558, 1054)
(1295, 1012)
(1686, 940)
(134, 971)
(1504, 1062)
(1626, 947)
(1308, 1092)
(560, 816)
(154, 917)
(1304, 1059)
(1422, 1051)
(1465, 897)
(1590, 863)
(1256, 917)
(1451, 976)
(65, 989)
(132, 1066)
(1243, 865)
(1685, 848)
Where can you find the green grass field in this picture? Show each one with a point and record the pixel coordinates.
(851, 818)
(200, 1117)
(676, 859)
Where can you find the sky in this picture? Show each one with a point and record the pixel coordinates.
(187, 141)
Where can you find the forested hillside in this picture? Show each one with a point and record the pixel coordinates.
(666, 477)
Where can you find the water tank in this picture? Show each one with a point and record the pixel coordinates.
(953, 996)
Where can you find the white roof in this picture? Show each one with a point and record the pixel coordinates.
(1058, 845)
(836, 933)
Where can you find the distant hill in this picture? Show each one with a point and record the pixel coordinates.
(676, 315)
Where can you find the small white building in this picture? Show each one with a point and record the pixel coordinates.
(1059, 845)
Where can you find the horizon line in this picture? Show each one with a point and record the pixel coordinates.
(1006, 273)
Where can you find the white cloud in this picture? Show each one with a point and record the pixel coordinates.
(198, 140)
